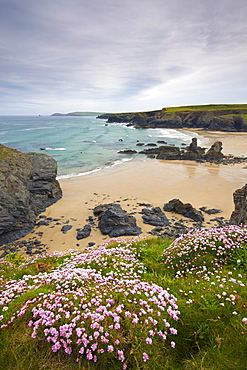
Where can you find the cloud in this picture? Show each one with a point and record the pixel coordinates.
(105, 55)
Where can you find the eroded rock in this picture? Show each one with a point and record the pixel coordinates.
(239, 215)
(27, 186)
(185, 209)
(114, 221)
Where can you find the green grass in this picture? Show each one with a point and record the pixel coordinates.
(212, 304)
(209, 107)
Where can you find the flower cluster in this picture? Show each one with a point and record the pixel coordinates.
(94, 304)
(202, 250)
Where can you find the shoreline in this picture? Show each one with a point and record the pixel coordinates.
(146, 181)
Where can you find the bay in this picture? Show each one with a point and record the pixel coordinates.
(81, 144)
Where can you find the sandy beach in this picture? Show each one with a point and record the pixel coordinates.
(145, 181)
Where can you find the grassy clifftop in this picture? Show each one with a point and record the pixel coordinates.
(221, 117)
(129, 304)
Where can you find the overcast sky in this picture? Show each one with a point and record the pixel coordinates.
(120, 55)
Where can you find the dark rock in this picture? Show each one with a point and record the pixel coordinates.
(83, 233)
(140, 144)
(170, 231)
(91, 244)
(40, 223)
(114, 221)
(185, 209)
(214, 153)
(27, 186)
(144, 204)
(239, 215)
(127, 151)
(154, 217)
(99, 210)
(210, 211)
(151, 144)
(66, 228)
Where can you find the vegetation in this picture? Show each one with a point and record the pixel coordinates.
(129, 304)
(209, 107)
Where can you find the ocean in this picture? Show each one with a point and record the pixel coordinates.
(82, 144)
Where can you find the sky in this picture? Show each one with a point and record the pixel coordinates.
(120, 55)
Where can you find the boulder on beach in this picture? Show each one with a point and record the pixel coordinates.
(185, 209)
(154, 216)
(114, 221)
(84, 232)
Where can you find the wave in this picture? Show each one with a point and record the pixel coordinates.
(175, 134)
(113, 164)
(53, 148)
(36, 128)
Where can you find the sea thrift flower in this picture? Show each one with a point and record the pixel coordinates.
(145, 357)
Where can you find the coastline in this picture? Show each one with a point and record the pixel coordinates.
(147, 181)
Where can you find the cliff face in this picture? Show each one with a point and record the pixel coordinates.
(207, 118)
(239, 215)
(27, 186)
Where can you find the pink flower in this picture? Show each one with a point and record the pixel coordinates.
(173, 344)
(110, 349)
(145, 357)
(149, 341)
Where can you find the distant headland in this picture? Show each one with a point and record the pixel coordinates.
(221, 117)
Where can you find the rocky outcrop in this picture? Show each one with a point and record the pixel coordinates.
(239, 215)
(114, 221)
(185, 209)
(230, 118)
(214, 153)
(27, 186)
(192, 152)
(154, 216)
(83, 233)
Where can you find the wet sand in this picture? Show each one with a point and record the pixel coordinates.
(145, 181)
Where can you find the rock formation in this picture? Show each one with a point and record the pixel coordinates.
(239, 215)
(114, 221)
(154, 217)
(185, 209)
(214, 153)
(27, 186)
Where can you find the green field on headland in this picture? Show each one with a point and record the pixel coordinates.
(208, 107)
(142, 304)
(218, 117)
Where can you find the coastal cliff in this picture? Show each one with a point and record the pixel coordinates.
(27, 186)
(239, 215)
(230, 118)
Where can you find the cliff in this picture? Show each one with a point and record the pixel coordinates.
(27, 186)
(231, 118)
(239, 215)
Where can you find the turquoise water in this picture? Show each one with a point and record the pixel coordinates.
(81, 144)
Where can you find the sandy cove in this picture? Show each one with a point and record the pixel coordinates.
(145, 181)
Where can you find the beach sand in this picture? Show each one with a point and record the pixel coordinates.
(145, 181)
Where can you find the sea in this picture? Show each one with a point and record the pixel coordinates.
(83, 144)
